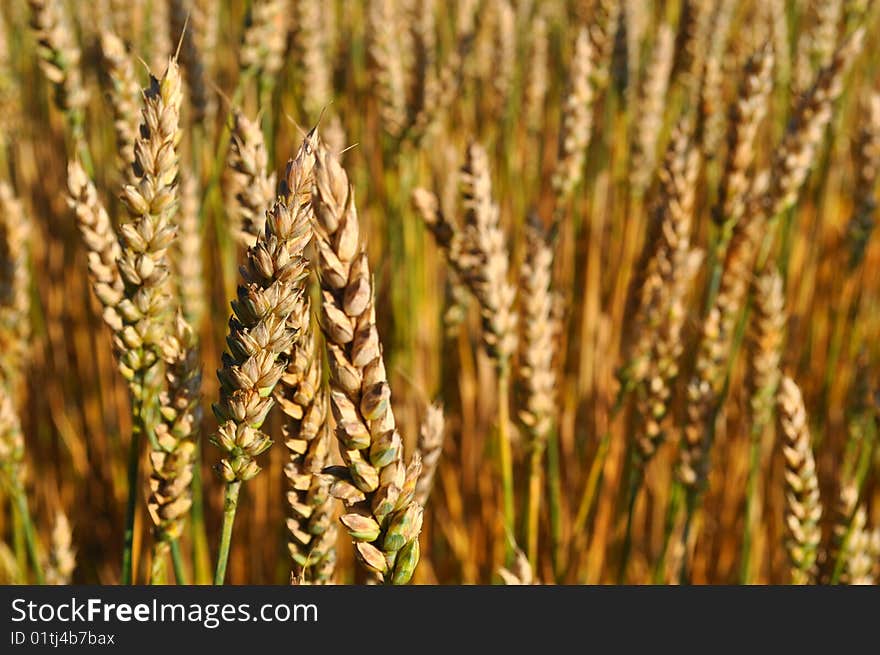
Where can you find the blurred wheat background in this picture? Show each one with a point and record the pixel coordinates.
(619, 266)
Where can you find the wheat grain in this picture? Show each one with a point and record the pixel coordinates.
(659, 317)
(711, 116)
(664, 250)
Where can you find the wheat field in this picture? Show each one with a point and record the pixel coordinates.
(411, 291)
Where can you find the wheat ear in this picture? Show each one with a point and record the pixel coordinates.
(537, 373)
(124, 95)
(62, 556)
(803, 508)
(249, 187)
(260, 333)
(15, 282)
(430, 447)
(301, 396)
(172, 457)
(383, 518)
(866, 160)
(14, 338)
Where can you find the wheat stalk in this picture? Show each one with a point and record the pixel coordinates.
(146, 306)
(124, 95)
(249, 187)
(430, 448)
(386, 57)
(651, 106)
(383, 519)
(766, 339)
(172, 458)
(12, 473)
(187, 255)
(15, 281)
(795, 156)
(62, 556)
(577, 121)
(538, 78)
(260, 333)
(537, 375)
(191, 59)
(746, 115)
(815, 45)
(310, 42)
(100, 240)
(866, 161)
(803, 508)
(483, 258)
(10, 106)
(264, 39)
(301, 396)
(59, 55)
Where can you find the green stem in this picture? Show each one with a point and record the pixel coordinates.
(692, 503)
(636, 476)
(201, 556)
(27, 525)
(230, 504)
(134, 457)
(21, 554)
(177, 563)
